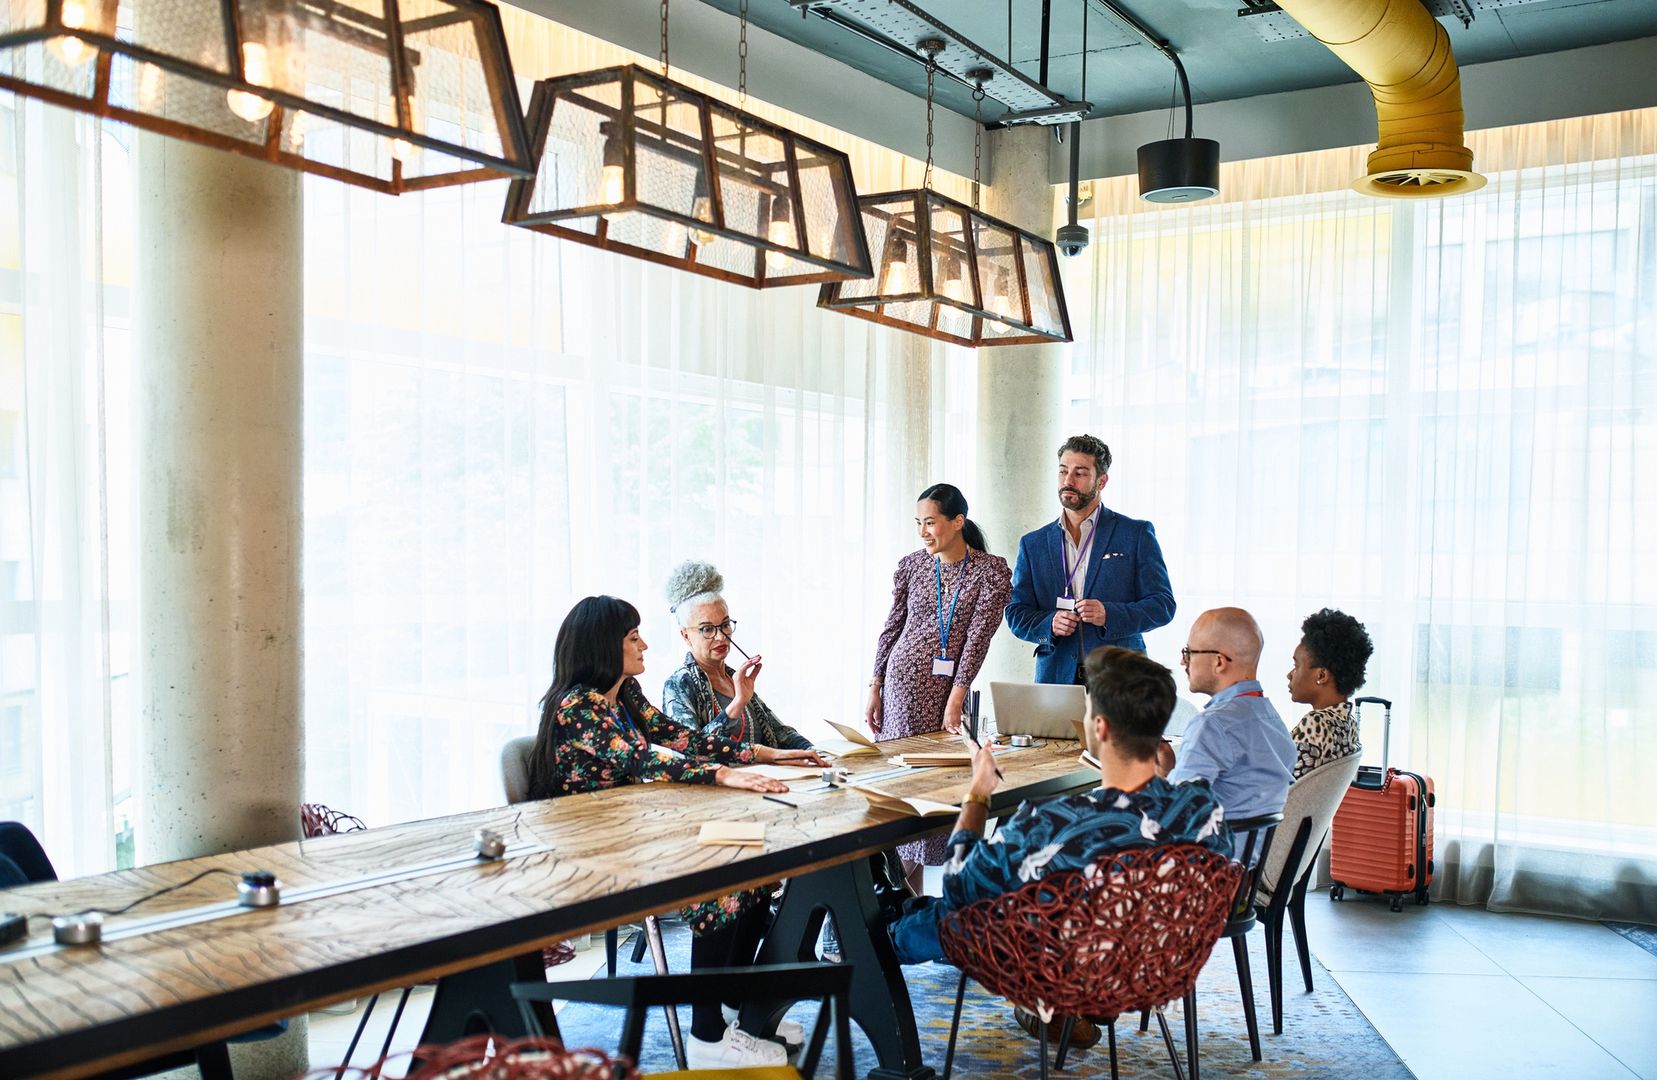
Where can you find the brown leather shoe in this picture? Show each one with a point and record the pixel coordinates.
(1083, 1036)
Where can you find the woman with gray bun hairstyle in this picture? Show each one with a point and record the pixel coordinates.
(706, 693)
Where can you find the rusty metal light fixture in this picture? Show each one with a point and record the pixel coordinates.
(950, 271)
(630, 161)
(394, 95)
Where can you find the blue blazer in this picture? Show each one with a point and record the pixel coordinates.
(1125, 572)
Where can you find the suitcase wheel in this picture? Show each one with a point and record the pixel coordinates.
(1397, 903)
(1421, 896)
(1337, 892)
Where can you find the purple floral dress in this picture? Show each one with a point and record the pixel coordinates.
(912, 699)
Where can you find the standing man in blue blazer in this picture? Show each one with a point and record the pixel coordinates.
(1091, 578)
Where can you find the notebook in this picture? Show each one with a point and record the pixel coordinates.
(851, 743)
(782, 772)
(732, 834)
(886, 802)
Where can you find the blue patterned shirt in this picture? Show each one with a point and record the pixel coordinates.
(1074, 831)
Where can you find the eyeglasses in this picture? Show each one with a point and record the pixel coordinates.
(1186, 654)
(709, 630)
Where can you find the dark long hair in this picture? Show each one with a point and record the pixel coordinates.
(953, 505)
(587, 653)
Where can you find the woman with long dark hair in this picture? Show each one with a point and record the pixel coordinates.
(598, 731)
(947, 600)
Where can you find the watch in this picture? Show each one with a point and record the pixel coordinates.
(974, 797)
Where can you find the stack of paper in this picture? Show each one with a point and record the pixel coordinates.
(934, 759)
(732, 834)
(908, 807)
(851, 743)
(782, 772)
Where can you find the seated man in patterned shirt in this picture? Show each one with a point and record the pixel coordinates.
(1130, 698)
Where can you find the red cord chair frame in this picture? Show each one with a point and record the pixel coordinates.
(1129, 933)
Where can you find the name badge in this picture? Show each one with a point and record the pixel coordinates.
(1067, 603)
(943, 667)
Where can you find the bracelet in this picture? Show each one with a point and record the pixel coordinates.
(974, 797)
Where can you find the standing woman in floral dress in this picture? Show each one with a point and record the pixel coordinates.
(947, 600)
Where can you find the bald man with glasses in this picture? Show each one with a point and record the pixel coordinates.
(1237, 743)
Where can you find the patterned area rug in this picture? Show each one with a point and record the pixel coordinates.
(1643, 936)
(1324, 1034)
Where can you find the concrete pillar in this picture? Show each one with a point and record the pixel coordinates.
(220, 350)
(1021, 394)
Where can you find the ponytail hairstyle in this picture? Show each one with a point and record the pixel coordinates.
(952, 504)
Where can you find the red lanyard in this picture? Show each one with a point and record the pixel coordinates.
(1251, 693)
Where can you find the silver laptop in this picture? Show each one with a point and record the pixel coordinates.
(1041, 710)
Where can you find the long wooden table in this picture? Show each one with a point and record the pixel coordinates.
(369, 911)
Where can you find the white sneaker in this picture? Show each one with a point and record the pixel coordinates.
(787, 1030)
(737, 1049)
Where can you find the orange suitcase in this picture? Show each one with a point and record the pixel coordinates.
(1382, 837)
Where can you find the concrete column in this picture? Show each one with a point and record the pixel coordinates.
(1021, 394)
(220, 336)
(220, 349)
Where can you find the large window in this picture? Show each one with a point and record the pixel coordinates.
(1439, 416)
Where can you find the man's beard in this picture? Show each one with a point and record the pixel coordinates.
(1083, 498)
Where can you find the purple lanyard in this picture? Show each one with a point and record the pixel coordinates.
(1082, 551)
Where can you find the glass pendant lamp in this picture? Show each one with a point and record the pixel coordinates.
(630, 161)
(950, 271)
(394, 95)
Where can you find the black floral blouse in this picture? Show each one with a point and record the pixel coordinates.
(688, 697)
(600, 745)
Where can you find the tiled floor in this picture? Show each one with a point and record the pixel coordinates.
(1466, 993)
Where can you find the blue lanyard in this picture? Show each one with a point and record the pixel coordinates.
(943, 623)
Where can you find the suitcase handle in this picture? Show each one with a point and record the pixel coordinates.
(1358, 704)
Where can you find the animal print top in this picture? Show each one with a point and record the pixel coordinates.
(1324, 735)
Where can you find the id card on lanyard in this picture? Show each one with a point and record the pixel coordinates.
(943, 666)
(1067, 602)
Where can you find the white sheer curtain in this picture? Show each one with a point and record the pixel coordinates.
(65, 591)
(499, 423)
(1439, 416)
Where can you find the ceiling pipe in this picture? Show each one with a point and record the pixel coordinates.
(1404, 54)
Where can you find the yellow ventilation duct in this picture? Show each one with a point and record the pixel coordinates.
(1404, 55)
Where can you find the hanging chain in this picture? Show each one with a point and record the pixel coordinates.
(662, 55)
(977, 141)
(742, 59)
(931, 69)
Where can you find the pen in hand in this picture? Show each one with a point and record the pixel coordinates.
(967, 735)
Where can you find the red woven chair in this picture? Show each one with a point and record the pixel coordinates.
(1129, 933)
(486, 1057)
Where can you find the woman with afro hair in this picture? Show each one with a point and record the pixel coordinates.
(1328, 670)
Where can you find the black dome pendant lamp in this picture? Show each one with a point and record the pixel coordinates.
(1179, 170)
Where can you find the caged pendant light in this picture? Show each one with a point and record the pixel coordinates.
(629, 161)
(393, 95)
(951, 272)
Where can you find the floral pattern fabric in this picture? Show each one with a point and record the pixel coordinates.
(912, 699)
(600, 746)
(688, 697)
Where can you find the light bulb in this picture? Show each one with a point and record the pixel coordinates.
(702, 210)
(401, 149)
(1002, 301)
(894, 276)
(612, 182)
(954, 286)
(782, 234)
(149, 86)
(256, 70)
(72, 50)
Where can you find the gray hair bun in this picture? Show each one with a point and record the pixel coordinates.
(692, 578)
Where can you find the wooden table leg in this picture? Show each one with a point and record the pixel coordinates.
(879, 996)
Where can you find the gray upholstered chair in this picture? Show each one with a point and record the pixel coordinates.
(515, 784)
(1307, 814)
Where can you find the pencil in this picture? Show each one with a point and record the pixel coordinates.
(785, 802)
(999, 775)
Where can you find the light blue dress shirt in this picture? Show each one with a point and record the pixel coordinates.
(1241, 746)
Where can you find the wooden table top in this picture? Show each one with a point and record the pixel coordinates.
(369, 911)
